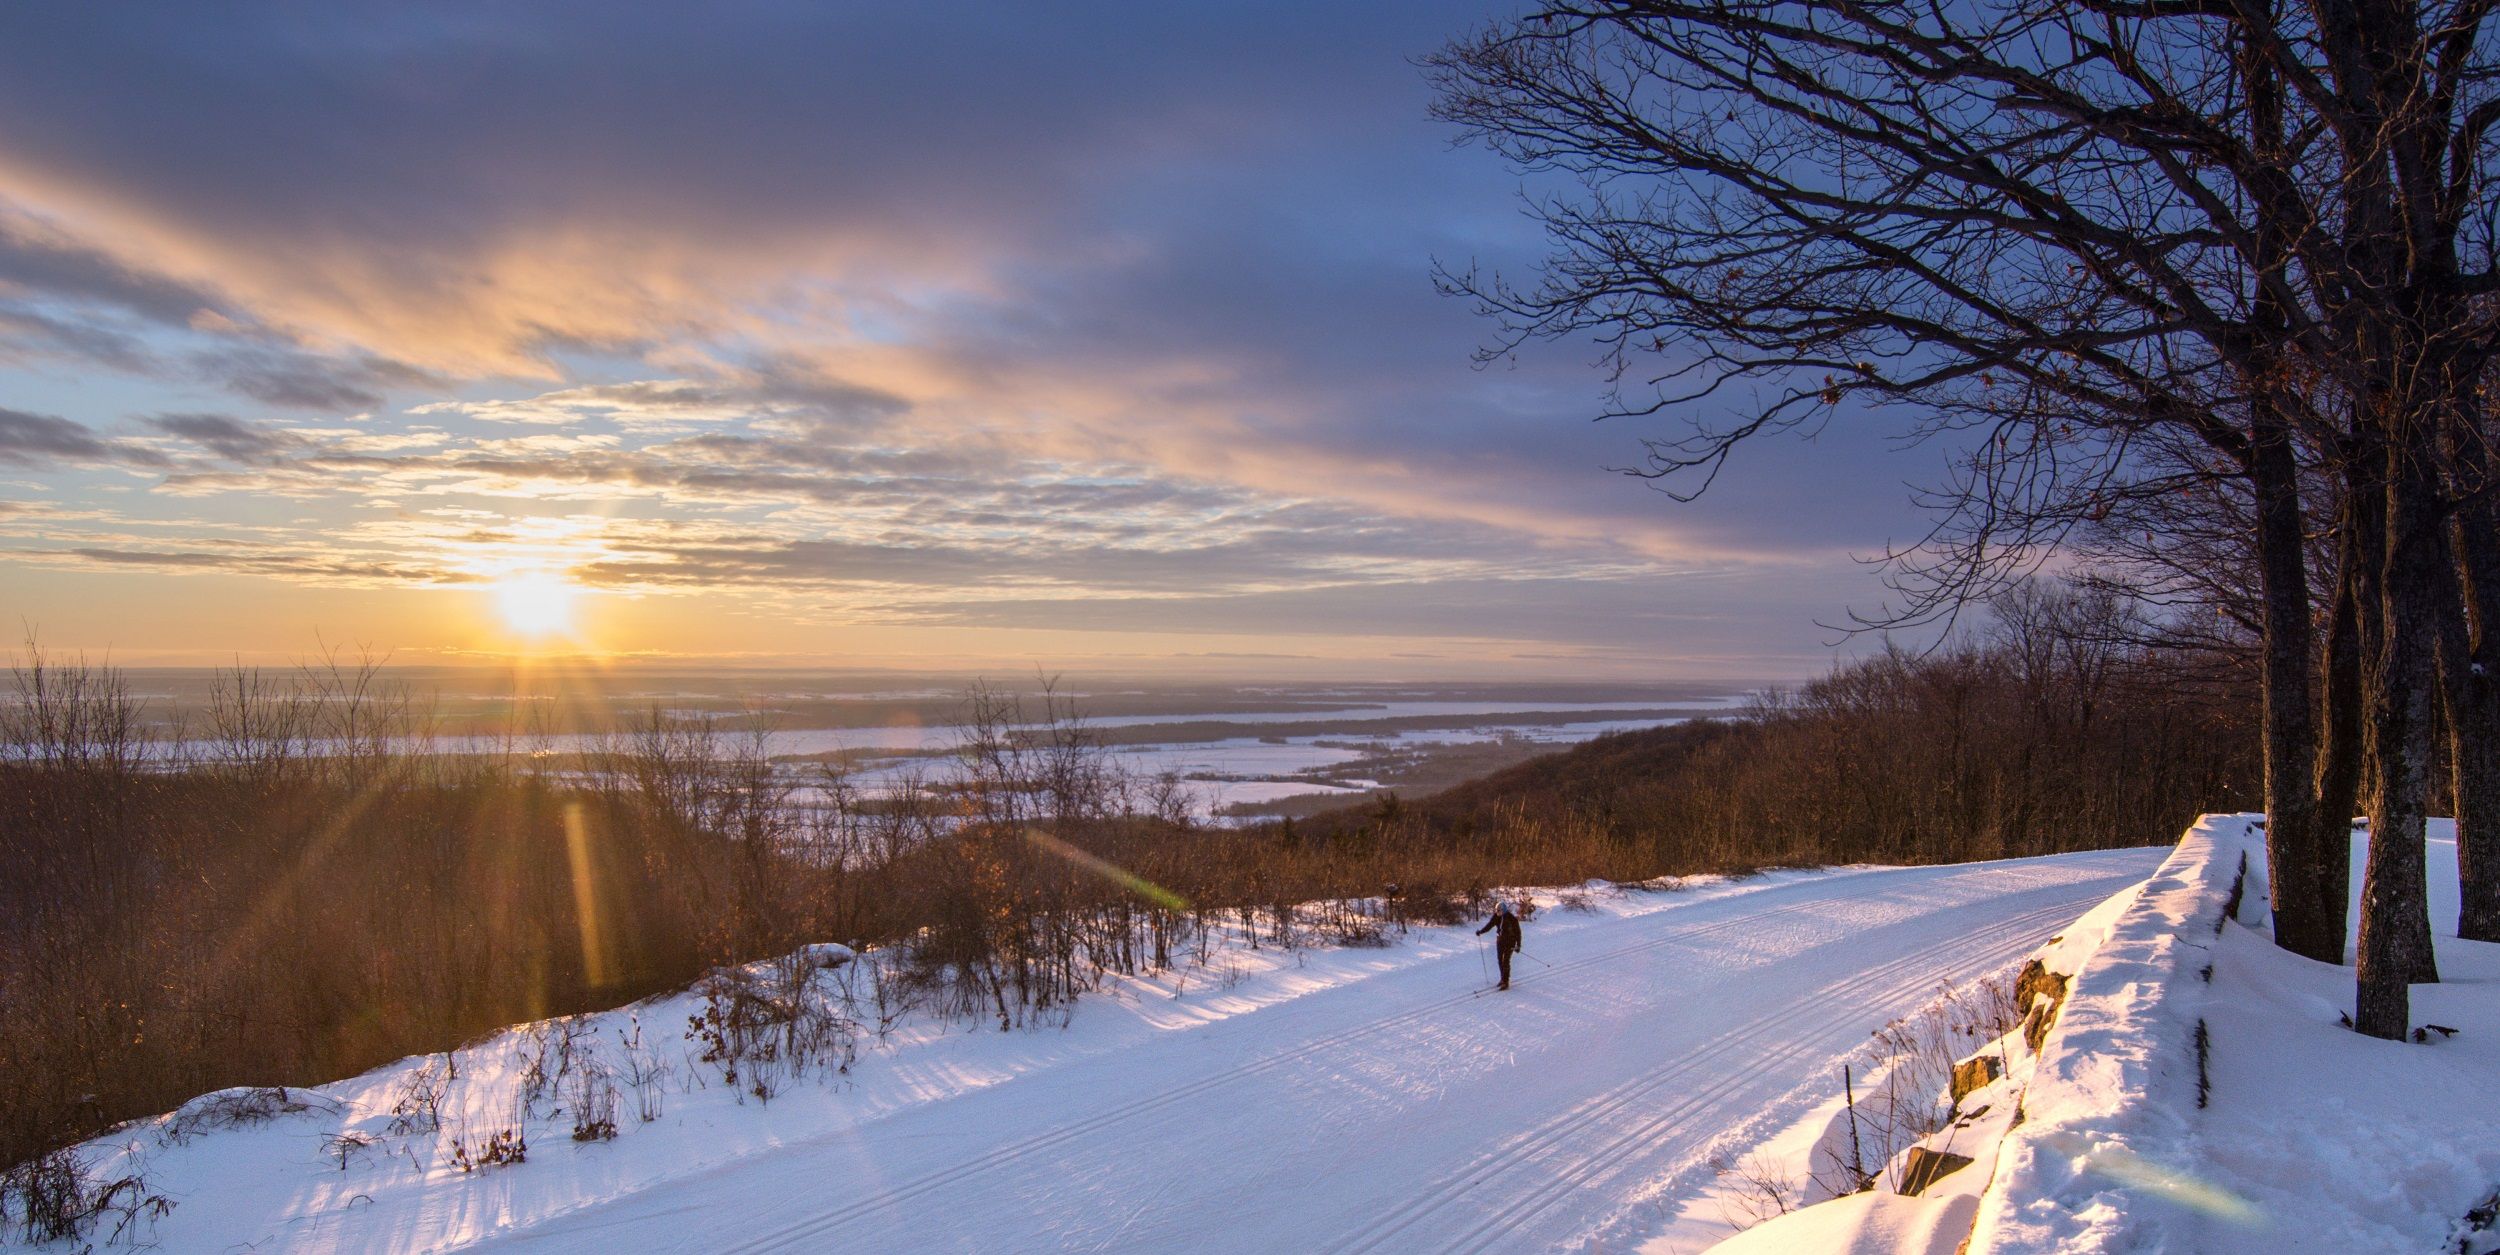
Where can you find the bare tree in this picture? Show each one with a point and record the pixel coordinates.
(2072, 240)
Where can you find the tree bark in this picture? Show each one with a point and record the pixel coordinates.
(2395, 951)
(2295, 847)
(2343, 719)
(2470, 666)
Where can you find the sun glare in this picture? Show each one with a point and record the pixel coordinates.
(536, 604)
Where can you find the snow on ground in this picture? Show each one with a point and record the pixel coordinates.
(1872, 1221)
(2291, 1133)
(2315, 1139)
(1366, 1099)
(1807, 1158)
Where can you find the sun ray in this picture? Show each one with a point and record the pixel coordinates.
(536, 604)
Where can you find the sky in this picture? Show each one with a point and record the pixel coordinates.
(1082, 337)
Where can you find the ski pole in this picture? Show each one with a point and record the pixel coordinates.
(1523, 950)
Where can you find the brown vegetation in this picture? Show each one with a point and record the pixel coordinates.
(2046, 734)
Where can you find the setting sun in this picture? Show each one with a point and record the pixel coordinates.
(536, 603)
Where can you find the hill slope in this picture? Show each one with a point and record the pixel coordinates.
(1790, 789)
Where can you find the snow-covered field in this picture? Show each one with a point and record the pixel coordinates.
(1309, 1100)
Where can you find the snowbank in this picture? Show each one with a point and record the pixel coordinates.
(1911, 1209)
(1873, 1223)
(2198, 1092)
(2292, 1133)
(2106, 1157)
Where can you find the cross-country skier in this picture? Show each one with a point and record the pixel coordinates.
(1506, 942)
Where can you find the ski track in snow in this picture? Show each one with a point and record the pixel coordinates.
(1394, 1111)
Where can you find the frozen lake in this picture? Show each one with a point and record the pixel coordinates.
(1312, 750)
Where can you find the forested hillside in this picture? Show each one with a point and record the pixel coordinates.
(1988, 750)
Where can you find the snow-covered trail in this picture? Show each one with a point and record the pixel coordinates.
(1394, 1111)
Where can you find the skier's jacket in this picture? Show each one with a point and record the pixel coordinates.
(1508, 939)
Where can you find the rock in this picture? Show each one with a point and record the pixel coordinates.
(2040, 992)
(1923, 1167)
(2038, 981)
(1972, 1074)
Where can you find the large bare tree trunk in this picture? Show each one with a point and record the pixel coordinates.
(2470, 664)
(2343, 717)
(2395, 950)
(2306, 922)
(2295, 846)
(2295, 842)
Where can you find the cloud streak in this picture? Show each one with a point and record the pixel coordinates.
(977, 318)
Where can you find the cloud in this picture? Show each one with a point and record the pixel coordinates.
(1210, 261)
(772, 399)
(129, 557)
(36, 258)
(228, 438)
(41, 440)
(1077, 307)
(27, 334)
(1622, 612)
(307, 381)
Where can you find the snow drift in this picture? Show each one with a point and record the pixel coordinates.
(2196, 1090)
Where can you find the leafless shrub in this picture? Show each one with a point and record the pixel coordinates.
(74, 716)
(418, 1107)
(60, 1195)
(1925, 1045)
(1910, 1065)
(232, 1108)
(762, 1026)
(1758, 1189)
(591, 1096)
(574, 1042)
(529, 1048)
(646, 1072)
(49, 1196)
(1346, 921)
(259, 728)
(502, 1147)
(346, 1147)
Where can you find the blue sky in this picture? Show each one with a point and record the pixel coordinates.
(1082, 336)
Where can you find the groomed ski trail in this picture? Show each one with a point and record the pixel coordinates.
(1396, 1111)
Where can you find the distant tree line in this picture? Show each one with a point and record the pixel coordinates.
(2200, 293)
(2048, 730)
